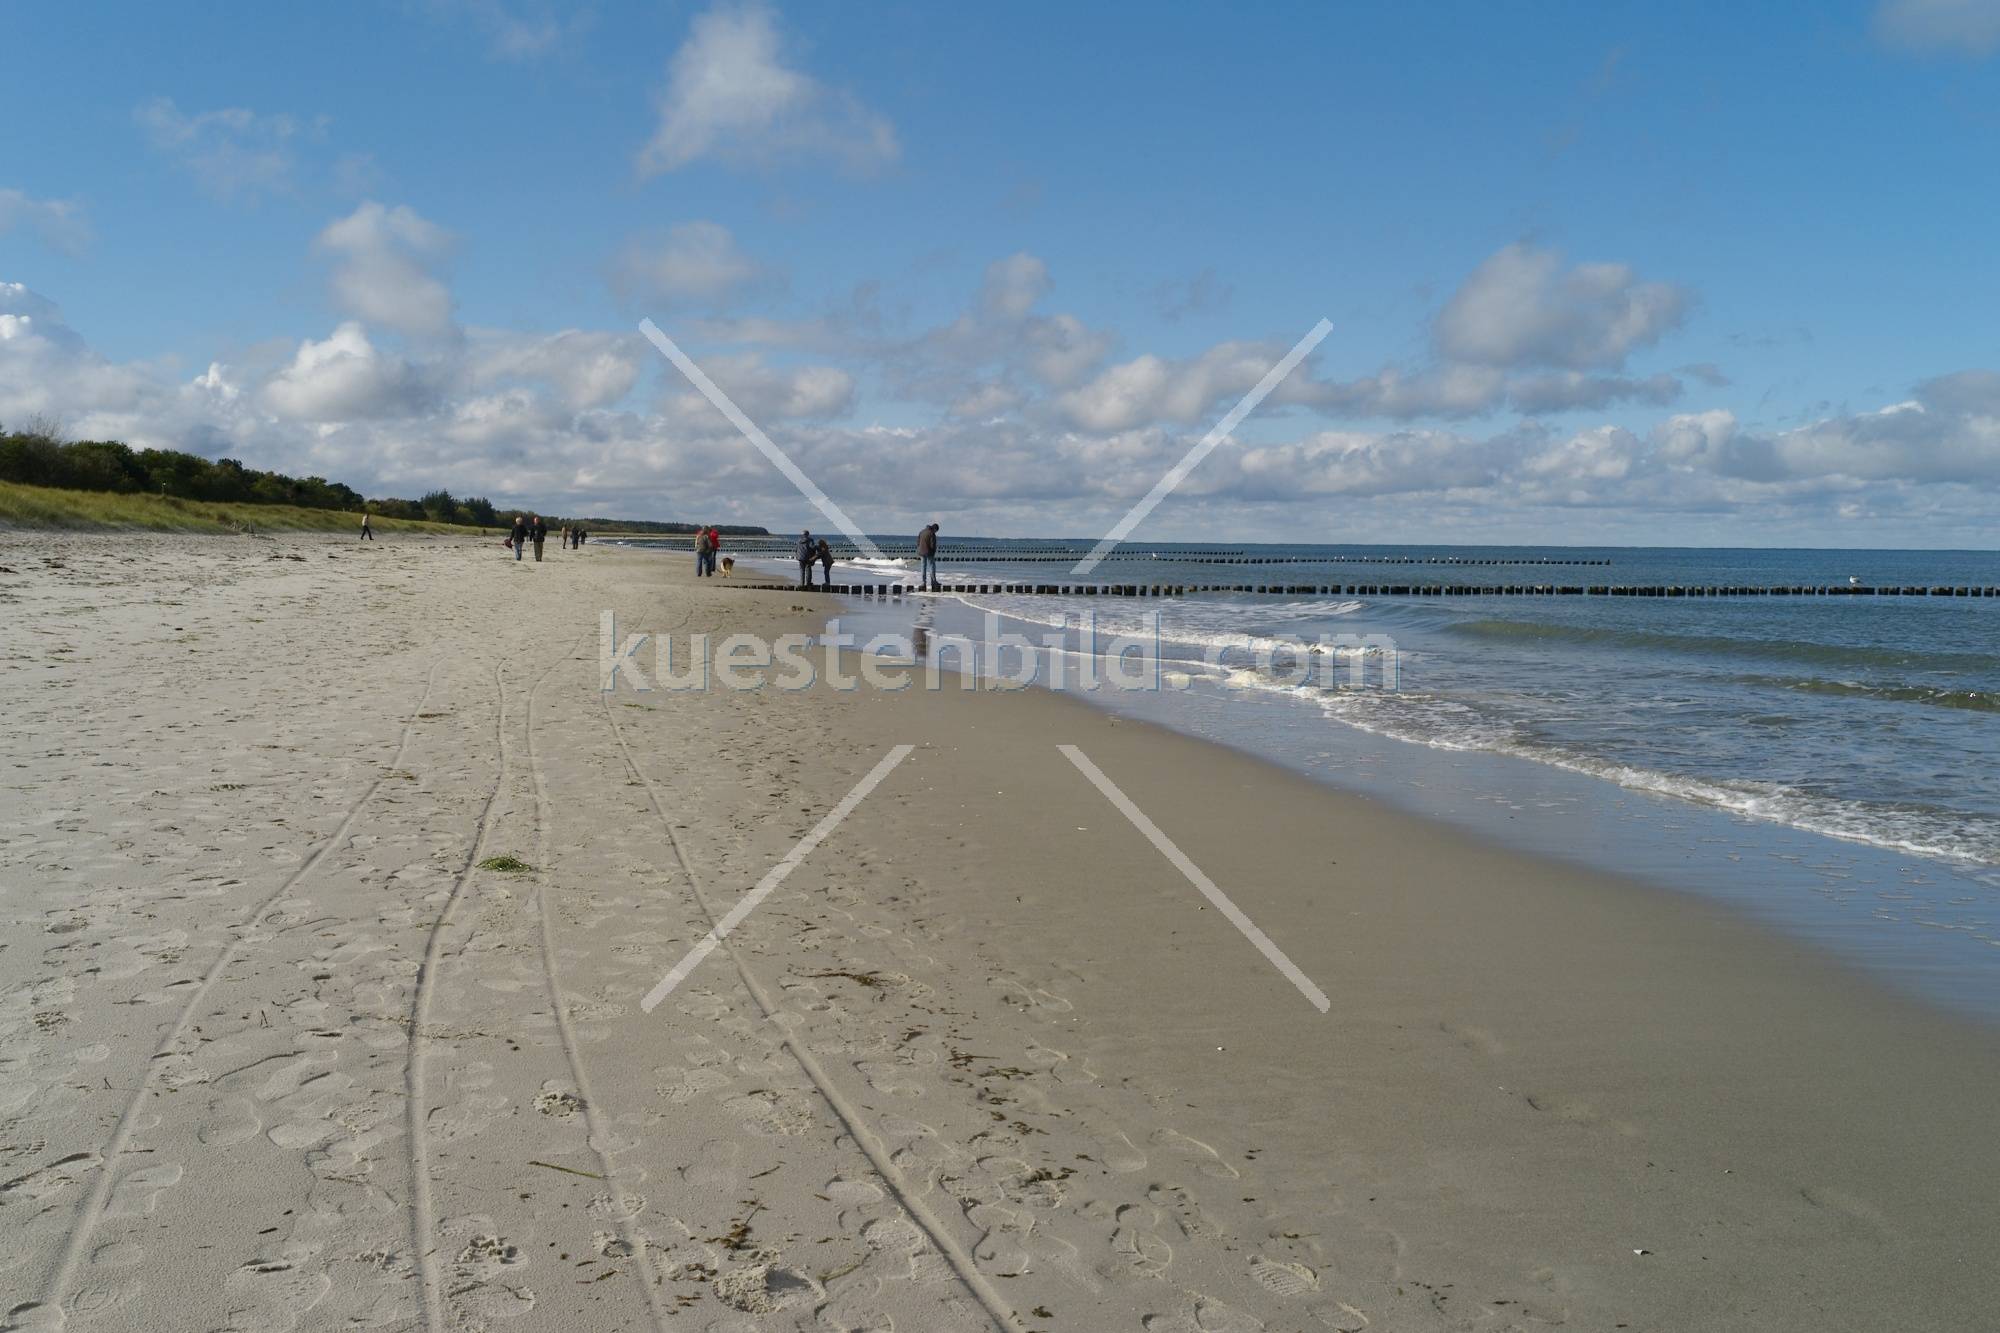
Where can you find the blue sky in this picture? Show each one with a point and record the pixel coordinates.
(1595, 272)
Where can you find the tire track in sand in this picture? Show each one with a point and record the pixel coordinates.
(423, 1221)
(849, 1115)
(566, 1032)
(100, 1190)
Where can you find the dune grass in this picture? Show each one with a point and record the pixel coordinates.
(48, 507)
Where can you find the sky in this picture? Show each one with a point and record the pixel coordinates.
(1595, 273)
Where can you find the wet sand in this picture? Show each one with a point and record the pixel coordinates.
(276, 1051)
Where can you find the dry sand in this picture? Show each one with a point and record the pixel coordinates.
(276, 1052)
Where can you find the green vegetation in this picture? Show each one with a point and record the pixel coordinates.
(510, 864)
(38, 457)
(47, 507)
(48, 482)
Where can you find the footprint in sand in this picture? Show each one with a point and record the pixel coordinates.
(774, 1113)
(271, 1295)
(227, 1120)
(1113, 1147)
(765, 1288)
(717, 1166)
(852, 1197)
(1024, 996)
(1135, 1239)
(491, 1300)
(1186, 1210)
(102, 1296)
(1473, 1038)
(135, 1194)
(1284, 1279)
(680, 1086)
(1194, 1152)
(485, 1257)
(48, 1180)
(1203, 1316)
(556, 1100)
(891, 1078)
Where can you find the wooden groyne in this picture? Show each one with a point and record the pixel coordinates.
(1157, 590)
(1060, 556)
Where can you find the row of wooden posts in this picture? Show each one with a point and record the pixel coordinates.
(893, 590)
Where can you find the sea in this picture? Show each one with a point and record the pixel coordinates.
(1828, 764)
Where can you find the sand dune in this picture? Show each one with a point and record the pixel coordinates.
(283, 1049)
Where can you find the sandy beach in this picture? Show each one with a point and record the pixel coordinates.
(334, 884)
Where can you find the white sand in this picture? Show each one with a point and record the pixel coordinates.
(275, 1052)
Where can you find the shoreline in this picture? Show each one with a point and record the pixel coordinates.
(1910, 916)
(1005, 1061)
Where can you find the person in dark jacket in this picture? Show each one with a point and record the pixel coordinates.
(806, 553)
(927, 559)
(825, 554)
(538, 532)
(519, 537)
(704, 554)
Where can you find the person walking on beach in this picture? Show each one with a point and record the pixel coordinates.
(927, 559)
(580, 535)
(825, 554)
(714, 548)
(806, 553)
(519, 537)
(704, 554)
(367, 528)
(539, 532)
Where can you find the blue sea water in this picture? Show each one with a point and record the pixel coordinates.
(1831, 763)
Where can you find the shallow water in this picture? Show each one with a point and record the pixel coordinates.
(1827, 762)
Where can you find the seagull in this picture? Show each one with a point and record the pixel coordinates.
(1853, 580)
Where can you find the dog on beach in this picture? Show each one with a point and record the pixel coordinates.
(728, 565)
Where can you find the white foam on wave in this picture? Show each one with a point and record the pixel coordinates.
(1443, 724)
(1174, 625)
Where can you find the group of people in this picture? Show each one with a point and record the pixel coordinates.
(814, 551)
(532, 529)
(707, 550)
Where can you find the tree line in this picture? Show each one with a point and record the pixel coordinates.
(38, 456)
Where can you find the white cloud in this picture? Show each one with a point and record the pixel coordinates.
(1150, 388)
(383, 270)
(1522, 308)
(1568, 390)
(59, 222)
(586, 369)
(233, 151)
(1961, 27)
(1002, 416)
(345, 378)
(731, 96)
(520, 31)
(1013, 286)
(764, 392)
(693, 263)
